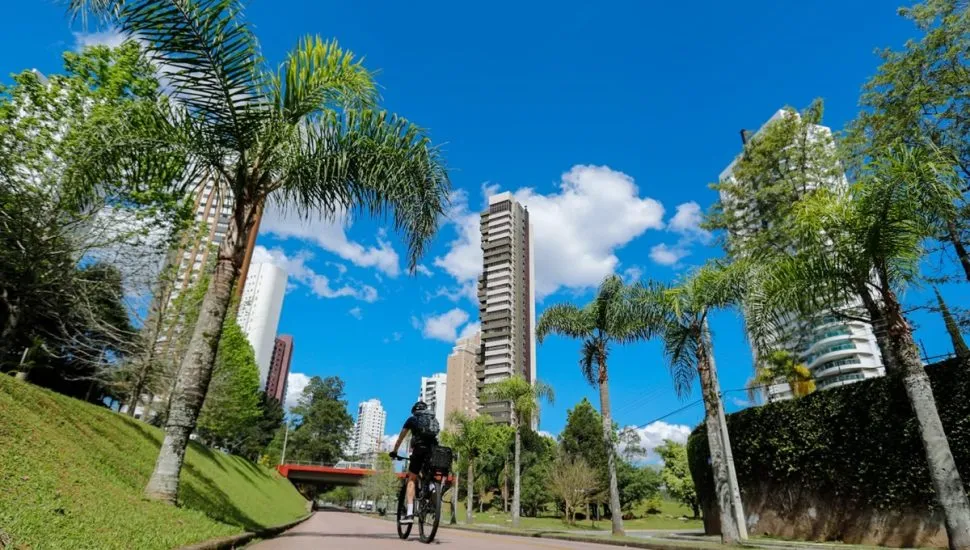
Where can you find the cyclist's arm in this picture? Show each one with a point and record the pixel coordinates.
(400, 439)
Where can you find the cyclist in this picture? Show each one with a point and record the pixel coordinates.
(423, 427)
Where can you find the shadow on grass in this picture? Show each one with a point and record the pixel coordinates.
(213, 502)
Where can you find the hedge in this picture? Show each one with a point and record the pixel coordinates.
(857, 444)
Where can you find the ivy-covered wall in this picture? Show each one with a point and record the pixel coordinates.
(843, 464)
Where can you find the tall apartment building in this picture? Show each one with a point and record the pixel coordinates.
(259, 312)
(279, 367)
(433, 392)
(368, 433)
(837, 351)
(462, 392)
(506, 296)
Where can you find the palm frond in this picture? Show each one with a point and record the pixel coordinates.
(589, 361)
(566, 320)
(210, 59)
(370, 162)
(680, 347)
(319, 75)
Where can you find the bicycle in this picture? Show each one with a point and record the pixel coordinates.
(427, 495)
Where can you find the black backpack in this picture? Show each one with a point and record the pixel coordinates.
(426, 427)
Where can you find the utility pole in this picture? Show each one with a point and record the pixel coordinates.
(286, 436)
(736, 504)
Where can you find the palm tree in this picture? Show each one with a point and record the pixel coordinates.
(606, 320)
(680, 315)
(305, 133)
(781, 365)
(471, 439)
(869, 241)
(524, 398)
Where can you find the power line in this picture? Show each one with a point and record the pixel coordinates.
(671, 413)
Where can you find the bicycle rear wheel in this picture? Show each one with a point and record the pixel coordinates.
(430, 514)
(403, 529)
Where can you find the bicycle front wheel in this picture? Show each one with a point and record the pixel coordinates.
(403, 529)
(430, 514)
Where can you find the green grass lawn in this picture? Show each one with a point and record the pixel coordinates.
(72, 474)
(667, 519)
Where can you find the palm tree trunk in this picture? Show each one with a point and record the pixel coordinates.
(712, 406)
(943, 469)
(604, 387)
(454, 499)
(953, 235)
(195, 371)
(470, 492)
(956, 338)
(516, 488)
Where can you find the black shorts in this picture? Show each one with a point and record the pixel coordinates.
(419, 457)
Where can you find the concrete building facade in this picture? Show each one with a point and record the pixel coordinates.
(462, 391)
(506, 296)
(279, 367)
(259, 312)
(433, 392)
(835, 350)
(368, 435)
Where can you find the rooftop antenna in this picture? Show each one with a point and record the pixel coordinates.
(744, 136)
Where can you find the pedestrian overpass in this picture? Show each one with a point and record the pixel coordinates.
(317, 473)
(341, 473)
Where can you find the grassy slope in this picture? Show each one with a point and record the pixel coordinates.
(72, 474)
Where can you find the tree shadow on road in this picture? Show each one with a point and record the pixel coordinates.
(317, 534)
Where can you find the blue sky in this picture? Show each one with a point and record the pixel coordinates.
(606, 117)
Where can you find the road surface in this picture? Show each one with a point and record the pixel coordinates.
(348, 531)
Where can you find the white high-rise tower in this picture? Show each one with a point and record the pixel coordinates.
(433, 392)
(259, 312)
(368, 430)
(837, 351)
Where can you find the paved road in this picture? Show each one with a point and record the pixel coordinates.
(346, 531)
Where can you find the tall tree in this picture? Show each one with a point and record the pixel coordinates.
(921, 95)
(232, 404)
(960, 348)
(680, 314)
(323, 423)
(872, 237)
(524, 398)
(676, 474)
(305, 133)
(608, 319)
(473, 439)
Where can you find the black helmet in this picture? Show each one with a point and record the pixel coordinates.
(419, 406)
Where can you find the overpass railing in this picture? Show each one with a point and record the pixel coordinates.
(339, 465)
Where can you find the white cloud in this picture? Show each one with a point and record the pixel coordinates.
(470, 330)
(111, 38)
(544, 433)
(356, 313)
(394, 337)
(341, 268)
(687, 223)
(445, 326)
(415, 322)
(295, 383)
(668, 255)
(576, 230)
(423, 270)
(318, 284)
(653, 435)
(330, 234)
(632, 274)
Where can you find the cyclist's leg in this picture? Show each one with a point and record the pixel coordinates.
(409, 493)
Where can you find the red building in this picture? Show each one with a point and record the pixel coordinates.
(279, 367)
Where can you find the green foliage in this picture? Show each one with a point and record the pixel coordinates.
(857, 445)
(636, 483)
(676, 474)
(73, 475)
(383, 484)
(232, 403)
(583, 436)
(538, 456)
(323, 424)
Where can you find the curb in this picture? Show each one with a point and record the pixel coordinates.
(236, 541)
(604, 540)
